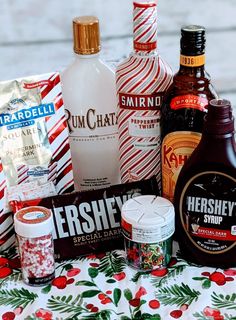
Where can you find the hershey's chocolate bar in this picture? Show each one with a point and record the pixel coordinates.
(89, 221)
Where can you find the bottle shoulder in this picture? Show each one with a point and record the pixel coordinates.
(135, 61)
(218, 156)
(198, 84)
(82, 69)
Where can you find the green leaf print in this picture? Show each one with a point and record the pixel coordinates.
(90, 293)
(128, 294)
(206, 284)
(17, 297)
(93, 272)
(116, 296)
(46, 289)
(66, 304)
(221, 301)
(85, 283)
(111, 281)
(112, 263)
(139, 274)
(177, 295)
(102, 315)
(173, 272)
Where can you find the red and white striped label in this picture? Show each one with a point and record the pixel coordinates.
(140, 83)
(60, 168)
(145, 26)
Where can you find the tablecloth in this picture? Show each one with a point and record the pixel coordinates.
(103, 287)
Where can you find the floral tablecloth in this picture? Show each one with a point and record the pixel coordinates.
(103, 287)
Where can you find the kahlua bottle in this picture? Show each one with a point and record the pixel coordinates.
(141, 81)
(205, 195)
(184, 107)
(88, 87)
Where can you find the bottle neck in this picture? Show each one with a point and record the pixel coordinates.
(87, 56)
(145, 27)
(192, 64)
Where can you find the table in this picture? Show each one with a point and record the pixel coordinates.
(103, 287)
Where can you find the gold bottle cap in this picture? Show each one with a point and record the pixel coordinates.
(86, 35)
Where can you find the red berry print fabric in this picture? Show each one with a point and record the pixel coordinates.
(103, 287)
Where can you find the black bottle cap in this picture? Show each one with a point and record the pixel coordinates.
(219, 118)
(192, 42)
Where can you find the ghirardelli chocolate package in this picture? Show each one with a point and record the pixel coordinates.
(34, 140)
(89, 221)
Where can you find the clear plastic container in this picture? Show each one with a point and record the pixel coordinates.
(33, 226)
(148, 225)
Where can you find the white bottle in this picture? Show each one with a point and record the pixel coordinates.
(89, 93)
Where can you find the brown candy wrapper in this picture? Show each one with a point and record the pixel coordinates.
(89, 221)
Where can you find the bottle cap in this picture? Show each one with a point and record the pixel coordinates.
(86, 35)
(33, 222)
(192, 40)
(219, 118)
(148, 219)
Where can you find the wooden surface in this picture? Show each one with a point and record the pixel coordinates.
(36, 37)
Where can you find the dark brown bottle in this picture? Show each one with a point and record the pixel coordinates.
(184, 107)
(205, 195)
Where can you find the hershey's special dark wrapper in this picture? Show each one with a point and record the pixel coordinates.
(89, 221)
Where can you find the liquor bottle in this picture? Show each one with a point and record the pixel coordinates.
(89, 93)
(205, 197)
(184, 107)
(141, 81)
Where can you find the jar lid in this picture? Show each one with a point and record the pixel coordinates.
(148, 219)
(33, 222)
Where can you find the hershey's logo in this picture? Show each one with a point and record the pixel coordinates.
(211, 206)
(90, 120)
(171, 159)
(88, 217)
(140, 102)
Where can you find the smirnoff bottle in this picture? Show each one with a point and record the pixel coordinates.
(89, 94)
(141, 81)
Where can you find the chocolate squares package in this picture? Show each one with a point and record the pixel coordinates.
(34, 142)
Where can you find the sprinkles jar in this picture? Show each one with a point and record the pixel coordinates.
(148, 225)
(33, 226)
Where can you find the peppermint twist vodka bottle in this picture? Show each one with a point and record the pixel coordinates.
(141, 81)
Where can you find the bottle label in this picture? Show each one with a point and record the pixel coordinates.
(176, 149)
(91, 122)
(189, 101)
(140, 84)
(140, 101)
(148, 127)
(145, 26)
(97, 134)
(208, 210)
(192, 61)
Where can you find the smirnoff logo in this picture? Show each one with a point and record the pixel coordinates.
(140, 102)
(90, 120)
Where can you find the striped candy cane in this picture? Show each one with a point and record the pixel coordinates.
(141, 81)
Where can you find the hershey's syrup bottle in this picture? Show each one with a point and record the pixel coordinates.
(205, 197)
(184, 107)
